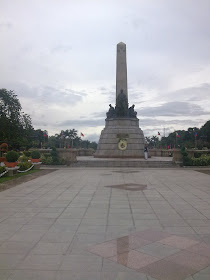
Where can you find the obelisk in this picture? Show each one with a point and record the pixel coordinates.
(122, 137)
(121, 71)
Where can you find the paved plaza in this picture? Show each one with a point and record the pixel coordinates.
(107, 224)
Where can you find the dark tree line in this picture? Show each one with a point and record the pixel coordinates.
(15, 126)
(193, 137)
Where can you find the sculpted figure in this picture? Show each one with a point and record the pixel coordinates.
(122, 105)
(131, 112)
(111, 112)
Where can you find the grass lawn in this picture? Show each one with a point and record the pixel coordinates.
(8, 178)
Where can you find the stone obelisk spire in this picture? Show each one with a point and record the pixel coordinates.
(122, 136)
(121, 74)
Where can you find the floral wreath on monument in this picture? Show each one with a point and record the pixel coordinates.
(122, 144)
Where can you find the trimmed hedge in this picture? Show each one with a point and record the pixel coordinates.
(12, 156)
(35, 154)
(27, 153)
(204, 160)
(198, 160)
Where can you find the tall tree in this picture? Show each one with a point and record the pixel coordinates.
(15, 126)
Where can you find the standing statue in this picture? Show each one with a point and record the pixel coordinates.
(122, 105)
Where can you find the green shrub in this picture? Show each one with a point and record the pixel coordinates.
(46, 160)
(23, 158)
(186, 159)
(24, 165)
(204, 160)
(35, 154)
(27, 153)
(61, 161)
(197, 155)
(2, 169)
(56, 160)
(54, 156)
(47, 154)
(12, 156)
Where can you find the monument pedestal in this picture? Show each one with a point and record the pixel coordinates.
(121, 138)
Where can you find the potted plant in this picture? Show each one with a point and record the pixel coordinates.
(11, 159)
(35, 156)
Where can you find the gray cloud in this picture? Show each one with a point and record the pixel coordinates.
(87, 122)
(6, 25)
(61, 48)
(93, 137)
(196, 93)
(100, 114)
(146, 122)
(176, 108)
(48, 94)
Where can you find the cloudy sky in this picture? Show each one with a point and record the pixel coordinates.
(59, 56)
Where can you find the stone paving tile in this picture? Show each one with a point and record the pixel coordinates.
(152, 235)
(41, 262)
(202, 230)
(179, 230)
(54, 210)
(149, 223)
(32, 236)
(35, 227)
(10, 261)
(44, 248)
(41, 221)
(48, 215)
(4, 274)
(12, 247)
(120, 275)
(134, 259)
(78, 263)
(189, 259)
(178, 242)
(201, 249)
(56, 237)
(32, 275)
(91, 229)
(120, 222)
(24, 215)
(64, 228)
(69, 222)
(110, 266)
(66, 275)
(158, 250)
(97, 222)
(164, 270)
(106, 249)
(16, 221)
(204, 274)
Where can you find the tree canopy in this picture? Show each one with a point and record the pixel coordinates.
(16, 127)
(193, 137)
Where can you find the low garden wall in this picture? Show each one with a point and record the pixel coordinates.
(160, 152)
(69, 155)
